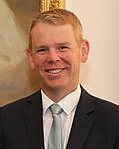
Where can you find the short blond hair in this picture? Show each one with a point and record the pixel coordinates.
(59, 17)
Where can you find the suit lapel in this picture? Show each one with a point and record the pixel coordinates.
(83, 122)
(34, 121)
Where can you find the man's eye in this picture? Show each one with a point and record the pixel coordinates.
(41, 51)
(63, 48)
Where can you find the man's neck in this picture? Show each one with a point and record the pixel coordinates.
(56, 95)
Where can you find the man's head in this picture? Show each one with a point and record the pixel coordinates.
(59, 17)
(56, 51)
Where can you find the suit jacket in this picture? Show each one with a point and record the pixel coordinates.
(95, 125)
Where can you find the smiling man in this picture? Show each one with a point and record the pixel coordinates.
(56, 56)
(81, 121)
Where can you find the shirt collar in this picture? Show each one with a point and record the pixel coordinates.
(68, 103)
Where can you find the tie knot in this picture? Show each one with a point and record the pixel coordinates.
(55, 109)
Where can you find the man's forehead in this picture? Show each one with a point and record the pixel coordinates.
(45, 25)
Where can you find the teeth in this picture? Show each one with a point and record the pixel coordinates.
(55, 71)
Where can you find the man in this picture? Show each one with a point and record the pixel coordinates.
(56, 50)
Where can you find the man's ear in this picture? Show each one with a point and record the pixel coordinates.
(84, 51)
(30, 58)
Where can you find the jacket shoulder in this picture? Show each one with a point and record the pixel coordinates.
(103, 107)
(17, 106)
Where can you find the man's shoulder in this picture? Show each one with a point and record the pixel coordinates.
(103, 107)
(107, 113)
(19, 104)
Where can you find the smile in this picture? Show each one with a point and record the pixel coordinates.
(54, 71)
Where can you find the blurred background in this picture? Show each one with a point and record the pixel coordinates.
(99, 76)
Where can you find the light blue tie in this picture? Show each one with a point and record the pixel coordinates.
(55, 136)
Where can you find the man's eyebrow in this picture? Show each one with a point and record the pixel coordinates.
(64, 43)
(47, 46)
(40, 46)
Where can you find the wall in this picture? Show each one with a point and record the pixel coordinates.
(100, 20)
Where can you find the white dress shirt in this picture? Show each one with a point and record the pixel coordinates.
(68, 104)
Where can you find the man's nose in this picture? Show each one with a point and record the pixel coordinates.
(53, 56)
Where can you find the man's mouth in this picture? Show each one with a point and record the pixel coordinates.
(55, 71)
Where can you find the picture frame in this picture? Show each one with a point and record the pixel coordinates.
(51, 4)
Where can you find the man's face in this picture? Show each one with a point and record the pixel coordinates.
(55, 56)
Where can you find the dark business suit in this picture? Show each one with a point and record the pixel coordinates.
(95, 125)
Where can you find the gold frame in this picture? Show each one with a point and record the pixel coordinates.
(50, 4)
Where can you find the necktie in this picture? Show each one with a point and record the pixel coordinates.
(55, 136)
